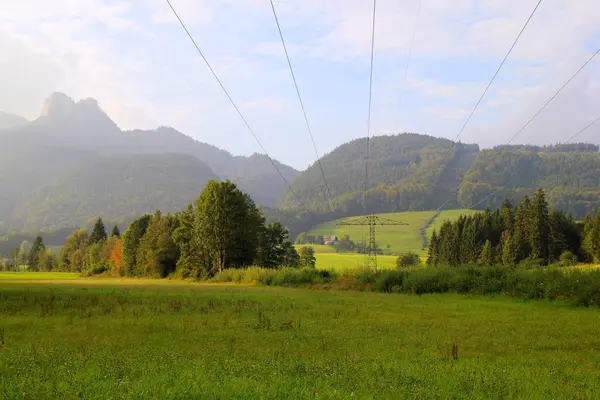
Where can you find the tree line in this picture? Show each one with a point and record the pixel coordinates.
(222, 229)
(528, 232)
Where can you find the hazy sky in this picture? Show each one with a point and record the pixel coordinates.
(134, 58)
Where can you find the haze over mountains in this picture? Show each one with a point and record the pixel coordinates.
(62, 168)
(73, 163)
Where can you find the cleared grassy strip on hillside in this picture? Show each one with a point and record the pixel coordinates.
(201, 341)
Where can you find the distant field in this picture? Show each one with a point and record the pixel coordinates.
(392, 239)
(106, 339)
(342, 261)
(37, 276)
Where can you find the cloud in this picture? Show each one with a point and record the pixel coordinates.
(135, 59)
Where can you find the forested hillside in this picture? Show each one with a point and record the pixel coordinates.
(405, 173)
(117, 188)
(570, 175)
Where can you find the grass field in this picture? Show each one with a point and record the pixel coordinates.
(97, 339)
(37, 276)
(344, 261)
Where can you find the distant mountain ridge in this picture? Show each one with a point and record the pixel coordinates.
(9, 121)
(74, 163)
(70, 136)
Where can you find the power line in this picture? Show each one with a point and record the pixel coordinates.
(571, 138)
(554, 96)
(567, 83)
(498, 70)
(231, 99)
(287, 56)
(370, 97)
(410, 50)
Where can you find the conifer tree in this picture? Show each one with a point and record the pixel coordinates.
(540, 230)
(487, 254)
(509, 250)
(115, 231)
(37, 248)
(433, 251)
(98, 232)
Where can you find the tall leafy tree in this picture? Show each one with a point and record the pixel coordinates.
(229, 224)
(157, 254)
(98, 232)
(192, 263)
(73, 253)
(131, 241)
(273, 246)
(307, 257)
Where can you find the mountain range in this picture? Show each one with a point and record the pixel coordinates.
(73, 163)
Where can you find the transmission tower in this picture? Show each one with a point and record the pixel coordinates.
(373, 221)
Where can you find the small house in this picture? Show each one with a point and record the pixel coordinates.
(330, 240)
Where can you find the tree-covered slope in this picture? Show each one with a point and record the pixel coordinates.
(117, 188)
(570, 175)
(405, 173)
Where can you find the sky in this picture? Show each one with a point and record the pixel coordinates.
(134, 58)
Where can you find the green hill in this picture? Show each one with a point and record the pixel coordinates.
(570, 175)
(406, 172)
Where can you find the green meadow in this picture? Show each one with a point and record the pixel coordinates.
(392, 240)
(113, 339)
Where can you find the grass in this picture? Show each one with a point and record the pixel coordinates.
(346, 261)
(158, 339)
(401, 239)
(37, 276)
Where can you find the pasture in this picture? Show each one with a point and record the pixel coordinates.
(349, 261)
(101, 339)
(392, 239)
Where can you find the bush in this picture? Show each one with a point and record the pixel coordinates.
(389, 281)
(568, 259)
(409, 259)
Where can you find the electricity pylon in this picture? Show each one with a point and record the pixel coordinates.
(372, 220)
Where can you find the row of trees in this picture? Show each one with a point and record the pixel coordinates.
(222, 229)
(35, 257)
(511, 235)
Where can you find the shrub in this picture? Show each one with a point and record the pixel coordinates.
(389, 281)
(409, 259)
(568, 259)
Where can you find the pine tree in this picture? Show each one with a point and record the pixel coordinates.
(540, 230)
(469, 247)
(487, 254)
(432, 252)
(115, 231)
(509, 250)
(37, 248)
(98, 232)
